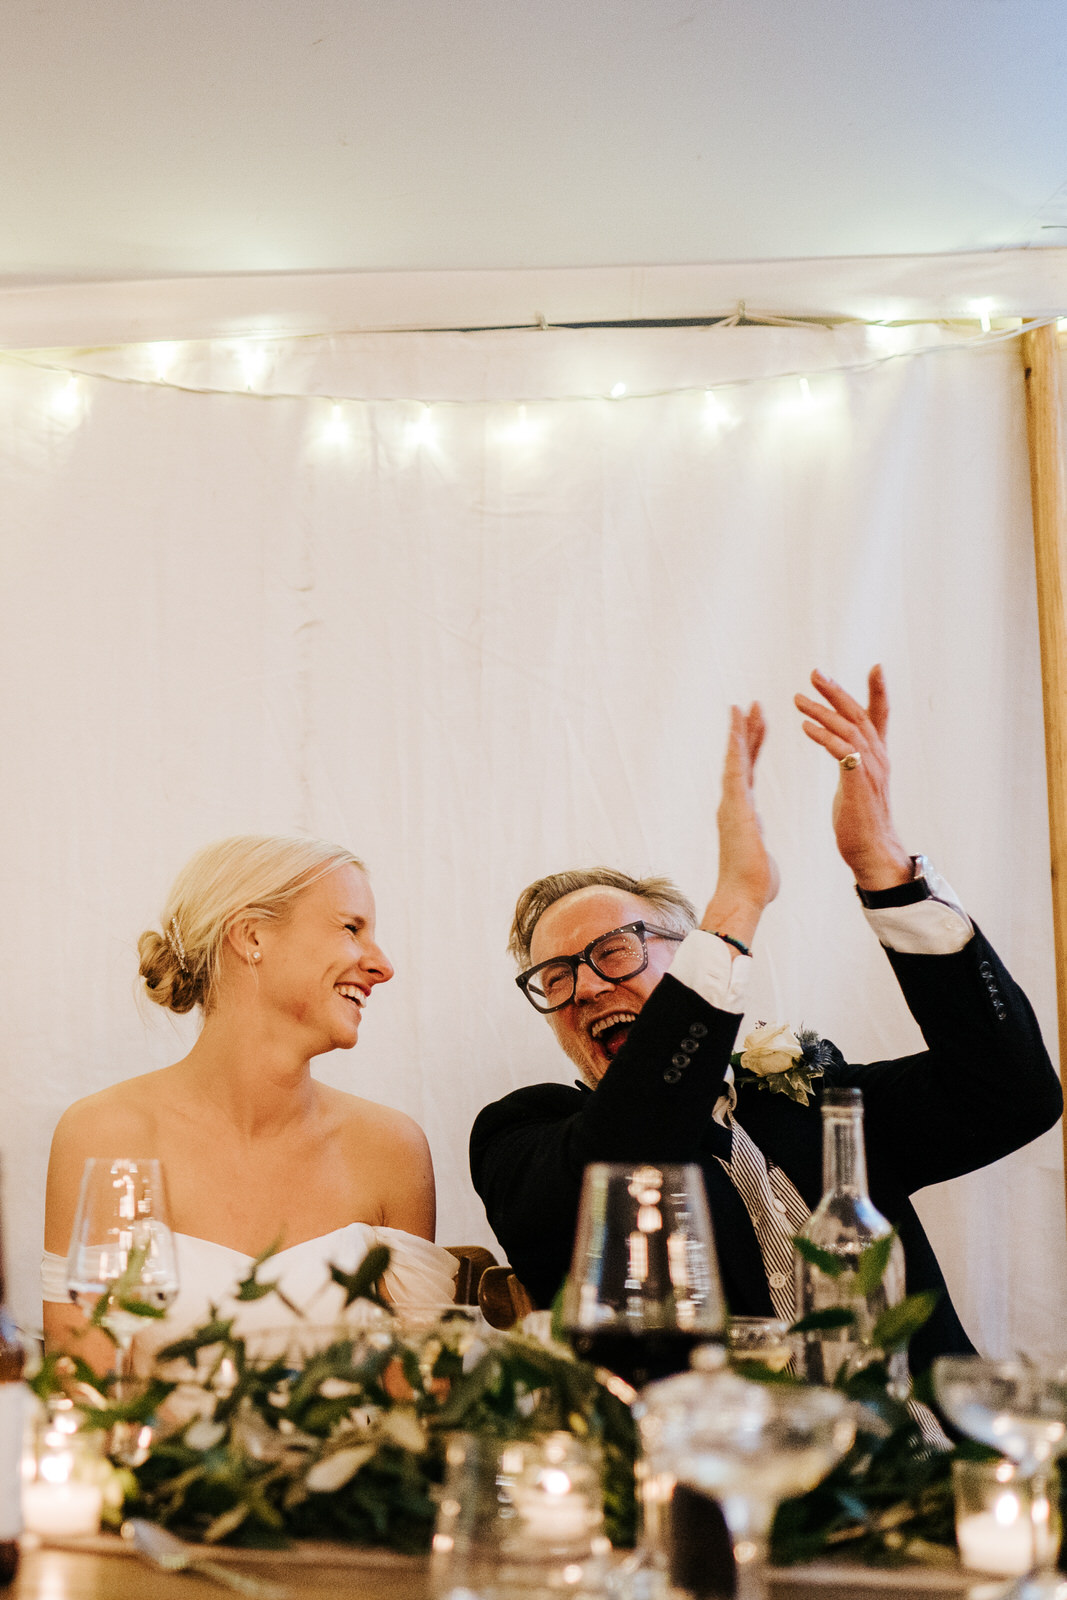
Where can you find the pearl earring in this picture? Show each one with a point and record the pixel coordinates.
(257, 955)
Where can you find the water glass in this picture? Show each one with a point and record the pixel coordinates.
(122, 1249)
(762, 1341)
(520, 1518)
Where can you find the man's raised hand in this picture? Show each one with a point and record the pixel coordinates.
(863, 824)
(748, 876)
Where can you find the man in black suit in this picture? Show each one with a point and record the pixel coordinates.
(652, 1042)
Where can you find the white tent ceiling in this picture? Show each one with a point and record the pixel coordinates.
(140, 139)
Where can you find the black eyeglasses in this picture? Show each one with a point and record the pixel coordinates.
(614, 956)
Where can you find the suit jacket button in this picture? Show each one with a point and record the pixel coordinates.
(672, 1075)
(698, 1029)
(689, 1045)
(776, 1280)
(679, 1060)
(985, 969)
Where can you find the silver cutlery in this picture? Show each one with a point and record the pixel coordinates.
(171, 1554)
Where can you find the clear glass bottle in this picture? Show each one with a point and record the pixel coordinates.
(844, 1224)
(12, 1412)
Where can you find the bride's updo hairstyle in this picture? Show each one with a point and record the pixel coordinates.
(257, 875)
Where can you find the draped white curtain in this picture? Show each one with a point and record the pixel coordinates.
(494, 637)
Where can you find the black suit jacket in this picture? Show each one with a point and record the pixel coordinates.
(982, 1088)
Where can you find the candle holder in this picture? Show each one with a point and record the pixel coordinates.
(761, 1342)
(63, 1474)
(1001, 1524)
(520, 1516)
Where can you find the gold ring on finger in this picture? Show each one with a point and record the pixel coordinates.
(850, 762)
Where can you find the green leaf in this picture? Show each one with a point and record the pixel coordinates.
(832, 1317)
(896, 1326)
(559, 1332)
(760, 1372)
(217, 1331)
(870, 1268)
(226, 1523)
(364, 1283)
(251, 1290)
(833, 1266)
(57, 1370)
(139, 1308)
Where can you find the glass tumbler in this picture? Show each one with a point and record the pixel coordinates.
(520, 1517)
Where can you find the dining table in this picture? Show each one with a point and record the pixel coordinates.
(103, 1567)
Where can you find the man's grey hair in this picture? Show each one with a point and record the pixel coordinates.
(673, 908)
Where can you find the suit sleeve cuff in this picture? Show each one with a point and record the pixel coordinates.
(708, 965)
(921, 918)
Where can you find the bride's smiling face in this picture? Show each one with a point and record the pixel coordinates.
(317, 966)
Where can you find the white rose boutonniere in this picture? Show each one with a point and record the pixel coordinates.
(777, 1058)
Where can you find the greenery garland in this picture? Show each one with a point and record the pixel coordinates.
(348, 1442)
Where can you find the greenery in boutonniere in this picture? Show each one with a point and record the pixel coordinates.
(776, 1058)
(342, 1436)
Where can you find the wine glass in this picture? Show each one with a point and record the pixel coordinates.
(643, 1287)
(747, 1447)
(122, 1249)
(644, 1283)
(1019, 1408)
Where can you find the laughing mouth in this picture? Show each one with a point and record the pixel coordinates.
(350, 992)
(610, 1032)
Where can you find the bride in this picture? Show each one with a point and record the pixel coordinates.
(273, 939)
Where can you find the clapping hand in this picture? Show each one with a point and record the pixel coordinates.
(748, 876)
(863, 825)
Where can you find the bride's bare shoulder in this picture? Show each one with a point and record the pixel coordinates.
(122, 1120)
(388, 1159)
(116, 1117)
(367, 1120)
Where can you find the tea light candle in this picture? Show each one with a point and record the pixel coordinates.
(1002, 1540)
(62, 1508)
(554, 1513)
(56, 1497)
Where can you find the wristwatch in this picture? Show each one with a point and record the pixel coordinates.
(926, 884)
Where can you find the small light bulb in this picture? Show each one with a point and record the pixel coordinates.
(336, 428)
(716, 415)
(163, 356)
(522, 430)
(66, 399)
(253, 362)
(618, 390)
(423, 430)
(982, 309)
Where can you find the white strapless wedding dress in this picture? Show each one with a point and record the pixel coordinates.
(420, 1275)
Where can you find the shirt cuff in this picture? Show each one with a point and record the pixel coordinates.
(934, 925)
(707, 964)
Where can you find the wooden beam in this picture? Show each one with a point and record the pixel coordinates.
(1048, 490)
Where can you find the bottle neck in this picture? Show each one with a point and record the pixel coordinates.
(844, 1159)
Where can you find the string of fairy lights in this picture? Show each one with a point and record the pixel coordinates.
(521, 419)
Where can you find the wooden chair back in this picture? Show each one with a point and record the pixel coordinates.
(473, 1260)
(503, 1299)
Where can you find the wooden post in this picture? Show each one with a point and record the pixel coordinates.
(1048, 490)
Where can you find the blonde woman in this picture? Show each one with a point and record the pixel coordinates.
(273, 939)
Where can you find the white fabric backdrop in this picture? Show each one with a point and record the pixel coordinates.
(483, 642)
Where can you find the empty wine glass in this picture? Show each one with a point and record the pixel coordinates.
(1019, 1408)
(122, 1249)
(644, 1284)
(748, 1446)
